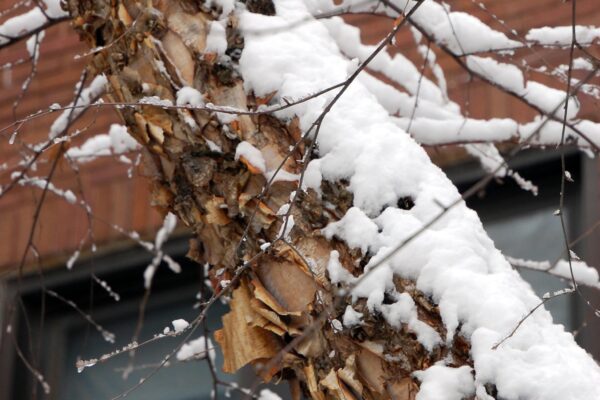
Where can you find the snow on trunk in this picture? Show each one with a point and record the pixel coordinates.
(428, 315)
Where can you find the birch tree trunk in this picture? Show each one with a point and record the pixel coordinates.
(285, 311)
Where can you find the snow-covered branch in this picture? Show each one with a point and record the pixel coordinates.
(583, 273)
(433, 120)
(116, 142)
(83, 99)
(32, 22)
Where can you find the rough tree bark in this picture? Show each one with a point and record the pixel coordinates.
(155, 48)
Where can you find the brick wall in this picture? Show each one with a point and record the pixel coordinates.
(113, 197)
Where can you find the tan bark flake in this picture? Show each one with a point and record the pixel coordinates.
(242, 343)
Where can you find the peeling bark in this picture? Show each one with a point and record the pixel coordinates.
(155, 48)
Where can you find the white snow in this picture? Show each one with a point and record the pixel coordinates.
(492, 162)
(156, 101)
(505, 75)
(169, 224)
(196, 348)
(356, 228)
(404, 311)
(166, 229)
(189, 96)
(398, 68)
(479, 295)
(438, 124)
(227, 6)
(351, 317)
(511, 78)
(434, 120)
(266, 394)
(88, 95)
(172, 264)
(286, 227)
(216, 41)
(53, 9)
(458, 130)
(30, 21)
(547, 99)
(462, 33)
(551, 132)
(281, 175)
(251, 154)
(312, 177)
(336, 325)
(561, 35)
(583, 273)
(397, 102)
(582, 63)
(179, 325)
(255, 157)
(71, 261)
(337, 273)
(440, 382)
(212, 146)
(42, 183)
(117, 141)
(459, 32)
(33, 44)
